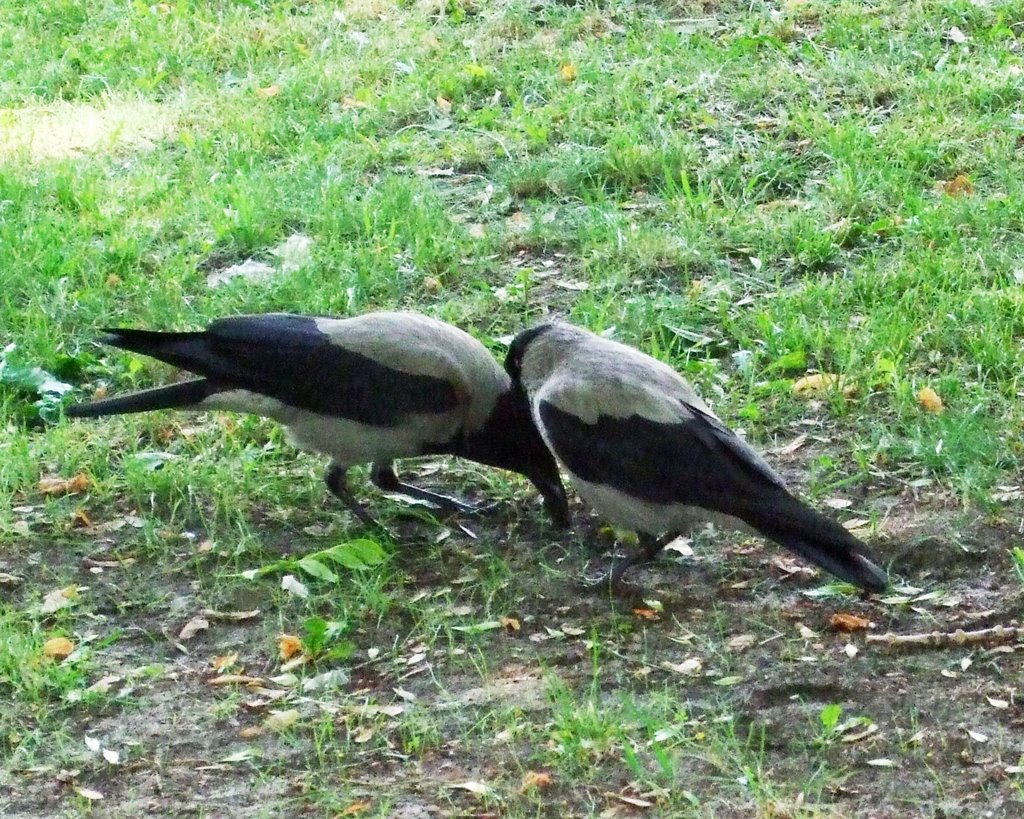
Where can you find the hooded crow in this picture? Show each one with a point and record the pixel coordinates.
(649, 455)
(373, 388)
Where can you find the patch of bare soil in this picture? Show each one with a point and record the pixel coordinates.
(429, 729)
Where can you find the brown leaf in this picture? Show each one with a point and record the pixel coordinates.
(444, 104)
(535, 780)
(742, 642)
(269, 91)
(842, 621)
(55, 485)
(189, 630)
(288, 645)
(646, 614)
(929, 400)
(58, 648)
(959, 185)
(356, 808)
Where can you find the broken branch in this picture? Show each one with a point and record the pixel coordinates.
(947, 639)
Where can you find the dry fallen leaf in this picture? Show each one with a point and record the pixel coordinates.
(535, 780)
(511, 624)
(689, 667)
(58, 599)
(568, 72)
(444, 104)
(55, 485)
(356, 808)
(269, 91)
(977, 736)
(842, 621)
(646, 614)
(741, 642)
(634, 801)
(363, 735)
(58, 648)
(224, 662)
(997, 703)
(104, 684)
(281, 720)
(478, 788)
(929, 400)
(236, 679)
(959, 185)
(293, 585)
(288, 645)
(815, 383)
(192, 627)
(89, 793)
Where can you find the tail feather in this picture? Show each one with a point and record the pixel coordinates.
(189, 351)
(821, 540)
(175, 396)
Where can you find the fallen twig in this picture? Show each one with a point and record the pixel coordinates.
(947, 639)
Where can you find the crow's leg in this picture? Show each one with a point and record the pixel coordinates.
(385, 479)
(335, 480)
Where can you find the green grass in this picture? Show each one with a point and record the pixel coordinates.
(749, 191)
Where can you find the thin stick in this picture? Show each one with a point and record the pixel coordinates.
(947, 639)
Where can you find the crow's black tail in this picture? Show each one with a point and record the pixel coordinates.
(175, 396)
(819, 539)
(189, 351)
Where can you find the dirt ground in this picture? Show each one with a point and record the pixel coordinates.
(407, 726)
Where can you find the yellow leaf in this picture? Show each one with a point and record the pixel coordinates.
(568, 72)
(929, 400)
(444, 104)
(281, 720)
(510, 623)
(224, 662)
(288, 645)
(816, 383)
(356, 808)
(58, 648)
